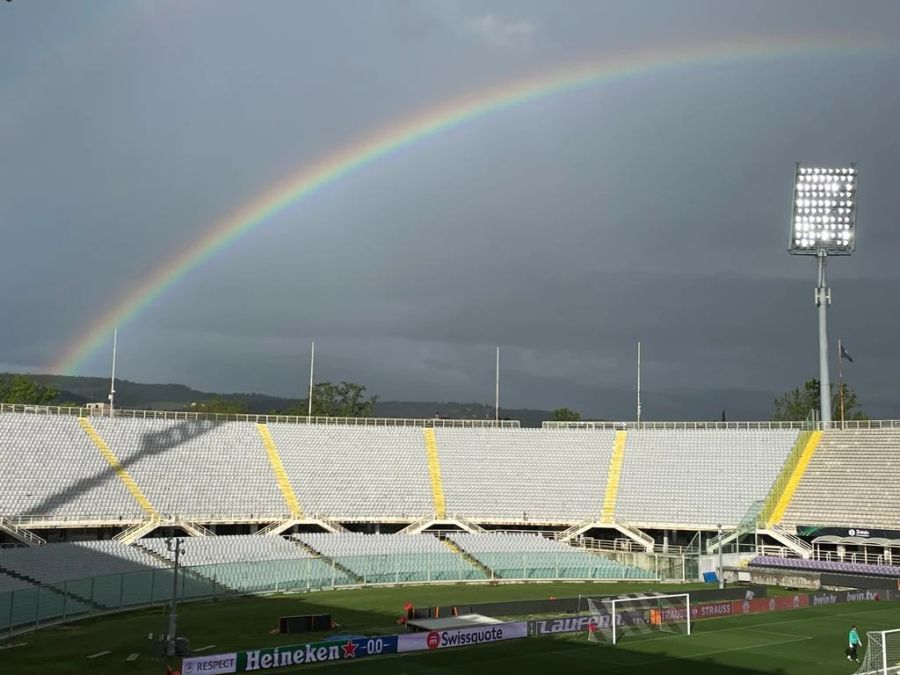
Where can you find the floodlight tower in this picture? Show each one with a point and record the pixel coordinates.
(823, 223)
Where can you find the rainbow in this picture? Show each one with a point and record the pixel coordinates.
(429, 123)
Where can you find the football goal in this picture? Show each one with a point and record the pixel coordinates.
(610, 619)
(882, 653)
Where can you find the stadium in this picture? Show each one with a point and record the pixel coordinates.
(360, 517)
(204, 190)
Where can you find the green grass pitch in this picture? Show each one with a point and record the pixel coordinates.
(795, 642)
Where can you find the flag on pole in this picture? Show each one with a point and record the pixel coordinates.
(845, 354)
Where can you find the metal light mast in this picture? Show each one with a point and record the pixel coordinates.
(823, 223)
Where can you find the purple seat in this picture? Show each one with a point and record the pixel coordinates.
(827, 566)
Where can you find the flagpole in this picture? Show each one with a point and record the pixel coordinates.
(497, 389)
(841, 378)
(639, 383)
(312, 363)
(112, 379)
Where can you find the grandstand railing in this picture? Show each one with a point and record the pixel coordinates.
(111, 520)
(856, 557)
(259, 419)
(850, 425)
(862, 425)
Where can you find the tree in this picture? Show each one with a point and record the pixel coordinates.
(346, 399)
(566, 415)
(222, 406)
(24, 390)
(798, 403)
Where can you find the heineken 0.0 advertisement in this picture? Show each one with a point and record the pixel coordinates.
(289, 655)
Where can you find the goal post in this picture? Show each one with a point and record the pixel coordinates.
(610, 619)
(882, 653)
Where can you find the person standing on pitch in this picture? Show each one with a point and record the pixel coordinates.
(855, 643)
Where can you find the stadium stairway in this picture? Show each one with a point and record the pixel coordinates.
(331, 561)
(472, 560)
(782, 493)
(52, 589)
(153, 554)
(185, 570)
(26, 537)
(284, 483)
(117, 467)
(614, 473)
(790, 476)
(434, 473)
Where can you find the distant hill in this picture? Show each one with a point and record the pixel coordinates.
(80, 390)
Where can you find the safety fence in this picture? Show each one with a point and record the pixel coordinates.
(36, 606)
(356, 647)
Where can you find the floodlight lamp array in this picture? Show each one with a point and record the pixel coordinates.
(824, 211)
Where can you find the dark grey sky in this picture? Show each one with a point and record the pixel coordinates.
(564, 230)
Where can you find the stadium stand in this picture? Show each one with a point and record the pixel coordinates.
(382, 472)
(698, 478)
(196, 468)
(248, 564)
(8, 584)
(853, 480)
(393, 558)
(50, 469)
(73, 477)
(226, 549)
(524, 475)
(55, 563)
(56, 474)
(531, 556)
(836, 566)
(73, 579)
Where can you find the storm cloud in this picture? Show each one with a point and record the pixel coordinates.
(652, 207)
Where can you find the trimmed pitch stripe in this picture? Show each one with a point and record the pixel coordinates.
(116, 465)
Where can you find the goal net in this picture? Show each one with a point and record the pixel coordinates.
(610, 619)
(882, 653)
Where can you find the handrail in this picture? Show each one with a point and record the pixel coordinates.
(21, 533)
(417, 525)
(799, 543)
(640, 534)
(569, 532)
(271, 527)
(138, 530)
(627, 545)
(258, 419)
(848, 425)
(332, 525)
(465, 522)
(781, 480)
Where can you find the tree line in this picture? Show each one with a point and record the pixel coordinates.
(349, 399)
(344, 399)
